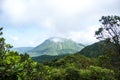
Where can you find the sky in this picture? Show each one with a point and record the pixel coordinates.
(30, 22)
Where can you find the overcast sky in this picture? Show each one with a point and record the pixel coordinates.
(30, 22)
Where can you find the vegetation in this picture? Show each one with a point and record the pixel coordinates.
(46, 58)
(77, 67)
(15, 66)
(110, 30)
(97, 49)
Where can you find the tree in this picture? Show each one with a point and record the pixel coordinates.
(110, 30)
(2, 54)
(72, 74)
(15, 66)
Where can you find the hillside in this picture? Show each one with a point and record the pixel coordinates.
(98, 48)
(76, 60)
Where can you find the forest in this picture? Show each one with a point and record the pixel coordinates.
(100, 61)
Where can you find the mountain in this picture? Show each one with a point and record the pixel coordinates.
(22, 49)
(98, 48)
(56, 46)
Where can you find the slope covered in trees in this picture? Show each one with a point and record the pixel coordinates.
(77, 67)
(45, 58)
(97, 49)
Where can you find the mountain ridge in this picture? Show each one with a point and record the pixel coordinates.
(22, 49)
(53, 46)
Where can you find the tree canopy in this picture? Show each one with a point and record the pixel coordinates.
(110, 30)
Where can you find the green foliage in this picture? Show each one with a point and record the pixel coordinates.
(56, 74)
(74, 60)
(46, 58)
(77, 67)
(110, 32)
(72, 74)
(17, 67)
(96, 73)
(104, 61)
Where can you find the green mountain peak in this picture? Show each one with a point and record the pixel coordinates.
(56, 46)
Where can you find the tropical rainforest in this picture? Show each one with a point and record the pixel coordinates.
(99, 61)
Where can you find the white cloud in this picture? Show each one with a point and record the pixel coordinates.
(15, 9)
(70, 7)
(14, 38)
(86, 37)
(32, 43)
(48, 23)
(37, 10)
(62, 18)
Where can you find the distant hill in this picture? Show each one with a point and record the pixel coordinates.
(98, 48)
(22, 49)
(56, 46)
